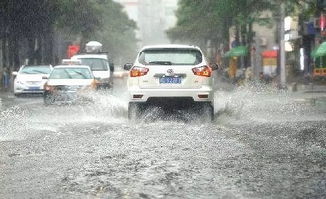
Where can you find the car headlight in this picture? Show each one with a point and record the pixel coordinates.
(20, 82)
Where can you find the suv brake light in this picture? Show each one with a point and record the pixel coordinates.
(204, 71)
(138, 71)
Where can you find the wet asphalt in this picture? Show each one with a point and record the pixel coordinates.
(264, 143)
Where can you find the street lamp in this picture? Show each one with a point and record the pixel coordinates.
(282, 49)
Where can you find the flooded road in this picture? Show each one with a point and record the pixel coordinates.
(263, 144)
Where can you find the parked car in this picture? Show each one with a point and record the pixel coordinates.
(170, 74)
(31, 79)
(68, 83)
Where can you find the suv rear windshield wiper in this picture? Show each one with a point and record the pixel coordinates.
(161, 62)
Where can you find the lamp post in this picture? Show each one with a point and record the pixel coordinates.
(282, 49)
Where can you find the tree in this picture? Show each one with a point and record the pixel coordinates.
(117, 33)
(219, 16)
(79, 17)
(27, 28)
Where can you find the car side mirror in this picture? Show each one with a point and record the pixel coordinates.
(14, 73)
(127, 66)
(214, 66)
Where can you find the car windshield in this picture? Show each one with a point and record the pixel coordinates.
(71, 73)
(170, 56)
(35, 70)
(95, 64)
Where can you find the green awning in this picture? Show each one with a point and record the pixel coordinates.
(313, 53)
(237, 52)
(320, 51)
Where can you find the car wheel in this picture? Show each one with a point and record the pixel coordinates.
(108, 86)
(134, 111)
(208, 112)
(48, 99)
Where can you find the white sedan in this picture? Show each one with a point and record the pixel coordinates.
(31, 79)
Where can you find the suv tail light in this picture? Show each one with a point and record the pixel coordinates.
(204, 71)
(138, 71)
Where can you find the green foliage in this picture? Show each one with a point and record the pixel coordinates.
(211, 19)
(117, 33)
(35, 22)
(200, 21)
(79, 16)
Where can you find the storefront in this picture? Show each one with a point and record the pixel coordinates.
(269, 63)
(319, 57)
(233, 59)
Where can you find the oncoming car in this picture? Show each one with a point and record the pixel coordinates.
(31, 79)
(68, 83)
(170, 74)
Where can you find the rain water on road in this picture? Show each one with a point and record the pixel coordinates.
(263, 144)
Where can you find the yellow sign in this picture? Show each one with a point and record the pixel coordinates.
(269, 62)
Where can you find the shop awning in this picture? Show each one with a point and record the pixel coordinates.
(313, 52)
(270, 54)
(320, 51)
(237, 52)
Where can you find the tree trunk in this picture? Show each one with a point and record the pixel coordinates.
(30, 53)
(16, 55)
(11, 51)
(250, 42)
(48, 46)
(4, 51)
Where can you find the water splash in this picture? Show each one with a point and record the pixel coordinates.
(13, 121)
(261, 104)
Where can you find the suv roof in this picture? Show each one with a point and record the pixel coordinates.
(170, 46)
(91, 55)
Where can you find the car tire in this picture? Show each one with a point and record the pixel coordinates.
(48, 99)
(208, 112)
(134, 110)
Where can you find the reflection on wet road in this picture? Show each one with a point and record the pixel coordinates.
(263, 144)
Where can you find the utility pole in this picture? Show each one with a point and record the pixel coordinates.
(282, 49)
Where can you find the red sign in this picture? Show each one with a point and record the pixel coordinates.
(322, 22)
(270, 54)
(72, 50)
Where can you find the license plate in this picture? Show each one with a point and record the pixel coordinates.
(170, 80)
(34, 88)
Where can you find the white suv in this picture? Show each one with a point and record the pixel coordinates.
(172, 74)
(100, 66)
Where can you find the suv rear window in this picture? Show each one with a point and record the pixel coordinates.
(170, 57)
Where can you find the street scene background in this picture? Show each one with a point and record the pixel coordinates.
(268, 139)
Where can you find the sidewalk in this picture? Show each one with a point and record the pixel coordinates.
(311, 94)
(4, 92)
(307, 88)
